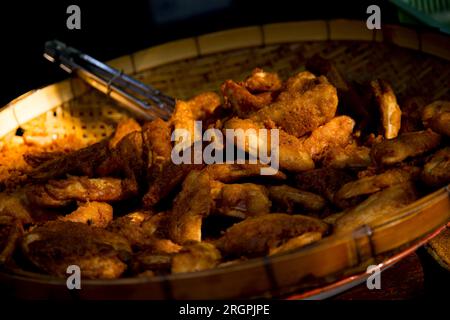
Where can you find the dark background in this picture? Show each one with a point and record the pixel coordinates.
(113, 28)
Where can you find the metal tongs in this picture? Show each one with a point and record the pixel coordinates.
(141, 99)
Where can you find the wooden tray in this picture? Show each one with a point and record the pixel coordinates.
(415, 63)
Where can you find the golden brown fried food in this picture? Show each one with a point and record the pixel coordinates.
(436, 116)
(11, 231)
(292, 199)
(260, 81)
(240, 200)
(56, 245)
(187, 112)
(171, 176)
(297, 242)
(80, 162)
(350, 156)
(195, 257)
(388, 106)
(436, 172)
(323, 181)
(256, 236)
(406, 145)
(334, 134)
(124, 127)
(379, 208)
(157, 146)
(12, 204)
(130, 227)
(241, 101)
(190, 206)
(291, 155)
(95, 214)
(372, 184)
(86, 189)
(232, 172)
(307, 103)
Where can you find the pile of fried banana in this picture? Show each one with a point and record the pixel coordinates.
(350, 155)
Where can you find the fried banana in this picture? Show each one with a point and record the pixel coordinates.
(292, 199)
(190, 206)
(240, 200)
(379, 208)
(95, 214)
(436, 116)
(256, 236)
(307, 103)
(56, 245)
(372, 184)
(405, 146)
(195, 257)
(335, 133)
(436, 171)
(388, 106)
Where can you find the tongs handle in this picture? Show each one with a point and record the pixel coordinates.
(141, 99)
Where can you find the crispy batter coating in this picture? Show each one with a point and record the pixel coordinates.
(350, 156)
(291, 153)
(334, 134)
(379, 208)
(256, 236)
(241, 101)
(233, 172)
(406, 145)
(260, 81)
(195, 257)
(292, 199)
(190, 206)
(187, 112)
(436, 116)
(307, 103)
(372, 184)
(157, 146)
(436, 172)
(11, 230)
(389, 108)
(240, 200)
(56, 245)
(95, 214)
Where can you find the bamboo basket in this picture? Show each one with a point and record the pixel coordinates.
(416, 63)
